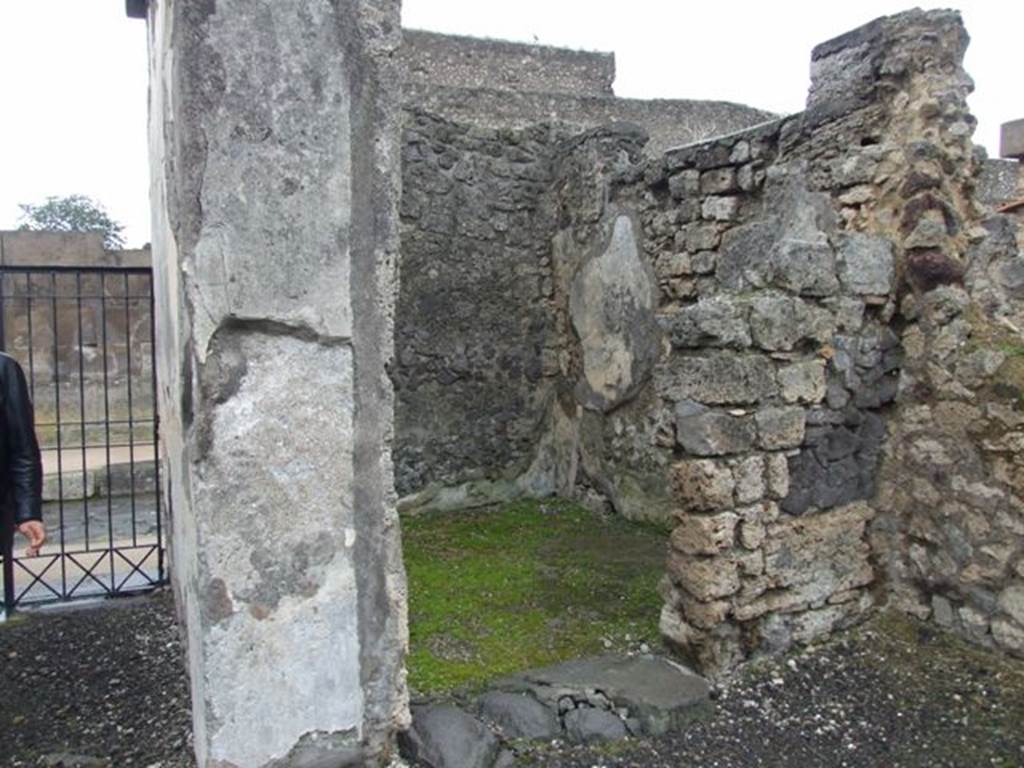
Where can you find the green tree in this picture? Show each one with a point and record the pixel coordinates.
(74, 213)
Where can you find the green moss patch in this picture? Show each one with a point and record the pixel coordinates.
(508, 588)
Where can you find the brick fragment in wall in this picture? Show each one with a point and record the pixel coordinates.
(931, 268)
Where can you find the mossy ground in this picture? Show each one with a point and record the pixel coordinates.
(504, 589)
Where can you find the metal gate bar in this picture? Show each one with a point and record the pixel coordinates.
(85, 337)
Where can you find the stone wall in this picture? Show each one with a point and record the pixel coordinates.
(21, 248)
(950, 530)
(498, 84)
(772, 340)
(474, 326)
(669, 122)
(471, 62)
(59, 323)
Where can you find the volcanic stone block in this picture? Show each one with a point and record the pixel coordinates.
(716, 321)
(780, 427)
(444, 736)
(806, 267)
(704, 432)
(779, 323)
(705, 534)
(587, 724)
(721, 379)
(706, 578)
(803, 382)
(743, 260)
(519, 715)
(703, 484)
(718, 181)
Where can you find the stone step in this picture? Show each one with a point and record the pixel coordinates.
(651, 694)
(603, 698)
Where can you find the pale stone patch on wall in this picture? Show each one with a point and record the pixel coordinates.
(611, 304)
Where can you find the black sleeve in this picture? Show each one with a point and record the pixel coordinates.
(25, 465)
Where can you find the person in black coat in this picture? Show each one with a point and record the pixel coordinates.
(21, 468)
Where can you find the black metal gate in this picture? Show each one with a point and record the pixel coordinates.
(84, 336)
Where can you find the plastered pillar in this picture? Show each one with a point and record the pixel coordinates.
(273, 145)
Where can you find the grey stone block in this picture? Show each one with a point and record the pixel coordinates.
(659, 694)
(443, 736)
(803, 382)
(720, 379)
(866, 264)
(587, 724)
(779, 428)
(779, 322)
(704, 432)
(718, 181)
(717, 321)
(806, 267)
(744, 260)
(519, 715)
(1011, 140)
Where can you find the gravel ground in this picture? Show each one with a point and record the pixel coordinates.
(890, 694)
(106, 682)
(100, 682)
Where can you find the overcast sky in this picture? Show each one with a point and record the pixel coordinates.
(73, 73)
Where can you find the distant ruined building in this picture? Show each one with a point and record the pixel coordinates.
(794, 342)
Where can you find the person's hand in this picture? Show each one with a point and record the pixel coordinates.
(35, 532)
